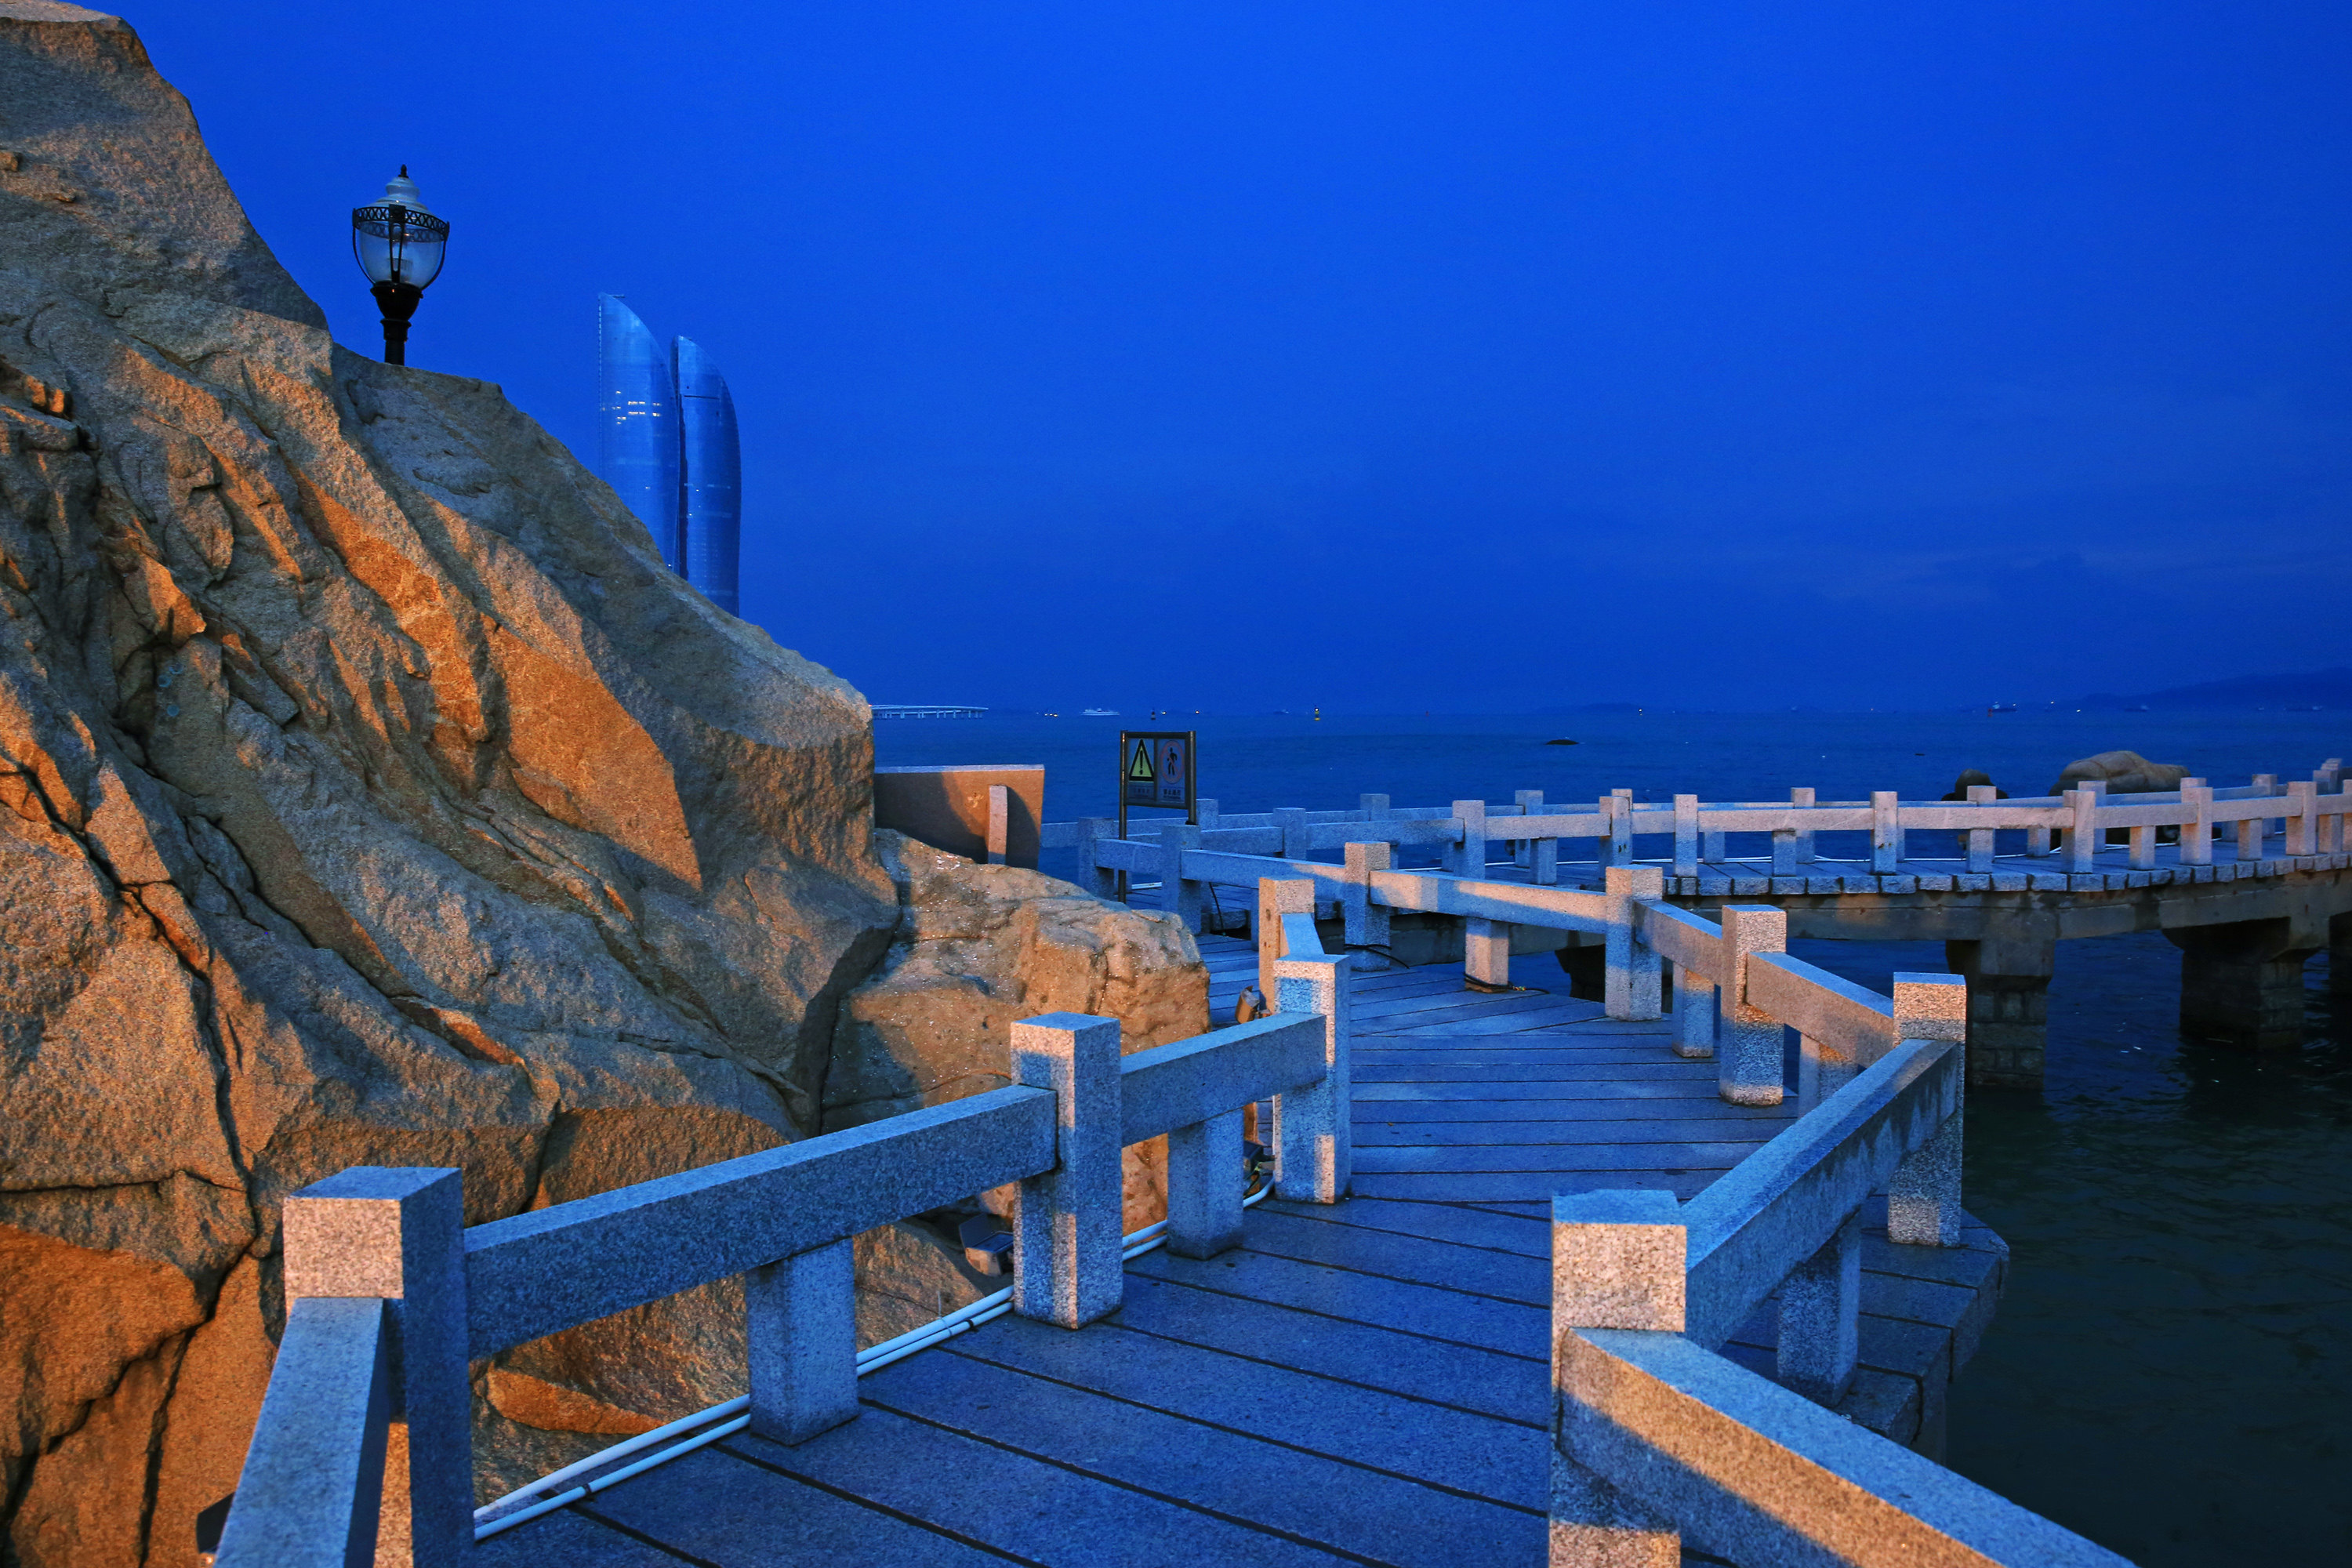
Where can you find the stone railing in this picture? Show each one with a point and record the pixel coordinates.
(364, 1437)
(2303, 818)
(1659, 1440)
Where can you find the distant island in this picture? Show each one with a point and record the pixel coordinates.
(2327, 689)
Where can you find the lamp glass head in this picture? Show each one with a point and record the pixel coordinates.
(396, 241)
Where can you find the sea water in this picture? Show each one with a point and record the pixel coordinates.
(2169, 1369)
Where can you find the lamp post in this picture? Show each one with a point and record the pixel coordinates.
(399, 245)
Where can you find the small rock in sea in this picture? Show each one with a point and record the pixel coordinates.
(1559, 743)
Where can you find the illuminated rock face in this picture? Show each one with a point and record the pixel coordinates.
(373, 795)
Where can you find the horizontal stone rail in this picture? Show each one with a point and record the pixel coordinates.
(533, 1274)
(1658, 1441)
(1663, 1441)
(2310, 813)
(1780, 1205)
(1852, 1019)
(314, 1475)
(1175, 1085)
(390, 1296)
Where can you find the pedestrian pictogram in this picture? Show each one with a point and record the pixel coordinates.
(1156, 769)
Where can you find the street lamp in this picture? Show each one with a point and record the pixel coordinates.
(399, 245)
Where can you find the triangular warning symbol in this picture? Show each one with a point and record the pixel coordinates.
(1140, 769)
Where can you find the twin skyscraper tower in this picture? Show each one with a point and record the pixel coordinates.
(666, 442)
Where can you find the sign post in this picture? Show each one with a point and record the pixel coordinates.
(1157, 768)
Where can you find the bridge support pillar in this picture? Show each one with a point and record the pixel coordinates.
(2241, 983)
(2008, 1004)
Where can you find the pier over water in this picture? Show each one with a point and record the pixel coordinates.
(1524, 1270)
(2249, 881)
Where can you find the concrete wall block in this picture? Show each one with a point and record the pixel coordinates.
(1067, 1234)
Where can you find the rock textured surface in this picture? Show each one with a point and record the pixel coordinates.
(370, 794)
(2126, 773)
(980, 946)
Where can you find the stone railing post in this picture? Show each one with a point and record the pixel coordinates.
(1748, 1049)
(1632, 989)
(1367, 923)
(1468, 858)
(1981, 840)
(1619, 1260)
(2331, 826)
(1000, 823)
(1277, 897)
(1297, 832)
(399, 1235)
(1092, 830)
(1923, 1198)
(1176, 896)
(2253, 830)
(1694, 1014)
(2082, 833)
(1685, 837)
(1885, 830)
(1208, 813)
(1205, 1183)
(1802, 799)
(1313, 1138)
(1530, 804)
(1485, 955)
(1820, 1317)
(2303, 822)
(2196, 833)
(1620, 827)
(1066, 1268)
(801, 1316)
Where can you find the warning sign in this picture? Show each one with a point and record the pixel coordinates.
(1156, 770)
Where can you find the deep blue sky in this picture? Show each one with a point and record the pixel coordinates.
(1474, 357)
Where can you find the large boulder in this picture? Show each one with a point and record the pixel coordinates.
(373, 795)
(980, 946)
(2125, 773)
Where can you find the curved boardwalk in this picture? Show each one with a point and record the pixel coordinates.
(1362, 1382)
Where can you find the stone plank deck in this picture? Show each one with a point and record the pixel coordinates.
(1363, 1383)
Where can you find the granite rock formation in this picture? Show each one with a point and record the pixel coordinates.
(373, 795)
(980, 946)
(2126, 773)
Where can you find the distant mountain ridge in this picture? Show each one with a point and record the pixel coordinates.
(2330, 688)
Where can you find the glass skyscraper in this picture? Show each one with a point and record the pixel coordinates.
(637, 431)
(666, 443)
(711, 475)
